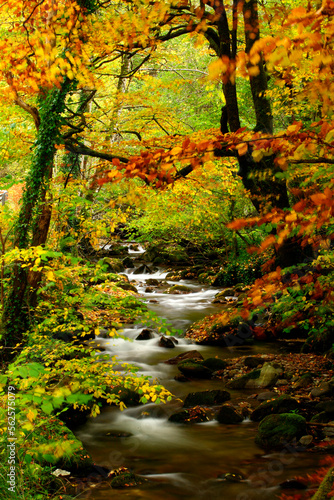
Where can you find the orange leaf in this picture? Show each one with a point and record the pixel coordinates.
(242, 148)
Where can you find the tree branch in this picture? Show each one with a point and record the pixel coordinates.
(81, 149)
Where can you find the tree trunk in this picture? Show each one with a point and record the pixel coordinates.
(34, 217)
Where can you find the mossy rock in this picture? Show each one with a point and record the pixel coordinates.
(72, 457)
(194, 369)
(276, 431)
(128, 396)
(126, 480)
(240, 382)
(215, 364)
(228, 415)
(321, 418)
(128, 287)
(282, 404)
(206, 398)
(112, 265)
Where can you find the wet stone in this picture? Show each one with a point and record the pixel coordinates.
(185, 355)
(166, 342)
(206, 398)
(145, 334)
(228, 415)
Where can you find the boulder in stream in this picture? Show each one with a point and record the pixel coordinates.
(276, 431)
(194, 369)
(185, 355)
(228, 415)
(166, 342)
(178, 289)
(128, 263)
(215, 364)
(152, 282)
(282, 404)
(143, 269)
(206, 398)
(145, 334)
(192, 416)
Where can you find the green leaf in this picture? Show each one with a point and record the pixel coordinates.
(47, 408)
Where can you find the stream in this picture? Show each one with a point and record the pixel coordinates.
(182, 461)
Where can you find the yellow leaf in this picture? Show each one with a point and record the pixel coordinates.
(257, 155)
(175, 151)
(50, 276)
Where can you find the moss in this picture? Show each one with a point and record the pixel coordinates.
(125, 480)
(275, 431)
(282, 404)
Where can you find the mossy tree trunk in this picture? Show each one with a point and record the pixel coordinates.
(33, 222)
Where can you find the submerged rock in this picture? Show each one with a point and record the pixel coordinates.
(206, 398)
(276, 431)
(178, 289)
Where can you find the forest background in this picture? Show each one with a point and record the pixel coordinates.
(202, 127)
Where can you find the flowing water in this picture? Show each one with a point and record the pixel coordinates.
(182, 461)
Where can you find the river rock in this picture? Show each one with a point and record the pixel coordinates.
(125, 480)
(228, 415)
(215, 364)
(282, 404)
(324, 389)
(192, 416)
(149, 289)
(253, 361)
(327, 406)
(195, 355)
(275, 431)
(145, 334)
(128, 263)
(206, 398)
(269, 374)
(128, 396)
(152, 282)
(112, 265)
(127, 286)
(306, 440)
(240, 382)
(321, 418)
(303, 381)
(194, 369)
(166, 342)
(178, 289)
(265, 396)
(231, 477)
(143, 269)
(256, 379)
(329, 431)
